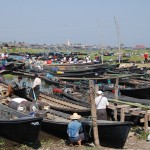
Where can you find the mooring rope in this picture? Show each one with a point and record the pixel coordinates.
(90, 118)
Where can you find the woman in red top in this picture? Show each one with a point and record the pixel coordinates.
(49, 61)
(146, 57)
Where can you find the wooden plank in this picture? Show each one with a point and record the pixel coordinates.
(99, 78)
(93, 113)
(137, 112)
(148, 111)
(122, 118)
(122, 106)
(142, 119)
(135, 109)
(116, 88)
(111, 107)
(115, 114)
(129, 103)
(146, 122)
(148, 117)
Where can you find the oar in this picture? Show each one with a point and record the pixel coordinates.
(35, 108)
(34, 96)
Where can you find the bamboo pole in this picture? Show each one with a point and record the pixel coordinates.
(118, 35)
(93, 113)
(129, 103)
(111, 76)
(116, 88)
(146, 122)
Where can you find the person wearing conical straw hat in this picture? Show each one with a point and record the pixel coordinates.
(75, 130)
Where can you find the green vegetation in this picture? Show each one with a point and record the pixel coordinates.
(2, 142)
(136, 55)
(139, 132)
(143, 135)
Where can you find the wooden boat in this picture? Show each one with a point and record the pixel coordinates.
(79, 67)
(137, 90)
(7, 68)
(61, 74)
(20, 92)
(64, 105)
(19, 127)
(78, 97)
(136, 82)
(110, 132)
(5, 71)
(55, 122)
(64, 84)
(141, 92)
(53, 101)
(123, 60)
(111, 95)
(81, 75)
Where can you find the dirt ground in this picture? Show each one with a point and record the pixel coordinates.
(132, 143)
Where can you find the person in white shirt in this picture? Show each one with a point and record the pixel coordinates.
(101, 105)
(36, 87)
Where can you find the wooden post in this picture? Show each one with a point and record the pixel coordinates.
(122, 117)
(116, 88)
(74, 88)
(93, 113)
(115, 114)
(96, 89)
(146, 120)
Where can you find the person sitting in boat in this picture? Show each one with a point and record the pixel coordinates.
(101, 104)
(36, 87)
(30, 62)
(75, 60)
(14, 85)
(75, 130)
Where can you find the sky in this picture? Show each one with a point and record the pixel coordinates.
(89, 22)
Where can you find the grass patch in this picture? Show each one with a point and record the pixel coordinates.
(140, 134)
(8, 76)
(143, 135)
(2, 142)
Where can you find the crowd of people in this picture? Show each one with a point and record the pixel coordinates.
(3, 62)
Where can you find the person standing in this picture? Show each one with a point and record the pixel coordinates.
(146, 57)
(75, 130)
(101, 105)
(36, 87)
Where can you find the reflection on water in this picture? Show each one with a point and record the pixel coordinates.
(27, 80)
(11, 145)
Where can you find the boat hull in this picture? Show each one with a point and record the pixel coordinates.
(141, 93)
(111, 134)
(19, 127)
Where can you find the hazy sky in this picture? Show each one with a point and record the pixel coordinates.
(79, 21)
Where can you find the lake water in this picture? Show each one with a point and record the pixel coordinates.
(27, 80)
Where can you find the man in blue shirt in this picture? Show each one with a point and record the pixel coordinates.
(75, 129)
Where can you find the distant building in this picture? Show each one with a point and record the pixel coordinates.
(139, 47)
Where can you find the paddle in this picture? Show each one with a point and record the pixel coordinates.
(34, 107)
(34, 96)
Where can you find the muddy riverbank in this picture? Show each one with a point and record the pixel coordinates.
(48, 142)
